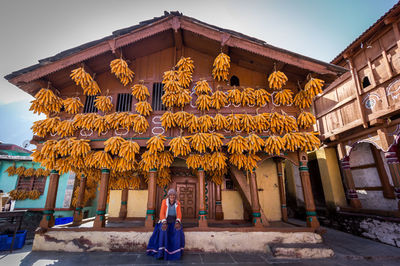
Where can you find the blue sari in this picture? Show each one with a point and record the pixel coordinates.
(168, 244)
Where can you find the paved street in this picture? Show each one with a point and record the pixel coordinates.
(349, 250)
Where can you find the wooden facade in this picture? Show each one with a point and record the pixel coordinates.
(151, 49)
(359, 114)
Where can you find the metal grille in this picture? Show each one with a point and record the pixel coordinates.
(124, 102)
(158, 92)
(89, 105)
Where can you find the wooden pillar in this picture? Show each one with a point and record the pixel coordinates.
(394, 167)
(380, 167)
(311, 214)
(151, 199)
(48, 217)
(282, 194)
(100, 220)
(124, 201)
(351, 189)
(219, 214)
(255, 204)
(202, 198)
(78, 214)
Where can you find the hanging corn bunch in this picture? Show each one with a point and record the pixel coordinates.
(199, 141)
(246, 123)
(120, 68)
(64, 147)
(103, 159)
(185, 64)
(274, 145)
(87, 121)
(262, 97)
(81, 77)
(72, 105)
(128, 149)
(100, 125)
(46, 102)
(251, 162)
(113, 145)
(233, 122)
(92, 89)
(235, 96)
(214, 141)
(239, 160)
(248, 97)
(140, 91)
(237, 144)
(219, 99)
(218, 161)
(140, 124)
(217, 176)
(277, 80)
(149, 161)
(49, 149)
(184, 78)
(261, 123)
(283, 97)
(122, 165)
(103, 103)
(314, 87)
(289, 124)
(169, 99)
(20, 171)
(180, 146)
(80, 147)
(181, 119)
(302, 99)
(203, 102)
(182, 97)
(312, 142)
(143, 108)
(205, 123)
(43, 127)
(220, 122)
(164, 177)
(165, 159)
(126, 120)
(306, 120)
(293, 141)
(40, 172)
(66, 128)
(11, 170)
(202, 87)
(168, 120)
(156, 144)
(276, 122)
(29, 172)
(221, 67)
(193, 124)
(255, 143)
(195, 161)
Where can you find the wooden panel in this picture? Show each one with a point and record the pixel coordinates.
(373, 51)
(326, 101)
(394, 58)
(350, 112)
(379, 69)
(345, 90)
(333, 120)
(388, 39)
(359, 61)
(187, 197)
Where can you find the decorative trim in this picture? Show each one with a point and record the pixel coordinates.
(256, 214)
(48, 212)
(311, 213)
(53, 172)
(153, 170)
(100, 212)
(202, 212)
(150, 211)
(124, 203)
(105, 170)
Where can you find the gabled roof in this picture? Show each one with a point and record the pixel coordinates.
(368, 32)
(170, 20)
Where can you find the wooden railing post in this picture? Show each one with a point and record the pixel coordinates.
(100, 220)
(151, 199)
(219, 214)
(202, 198)
(394, 167)
(255, 203)
(282, 194)
(311, 213)
(48, 213)
(78, 212)
(124, 203)
(351, 190)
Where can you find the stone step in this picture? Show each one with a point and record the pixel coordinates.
(303, 251)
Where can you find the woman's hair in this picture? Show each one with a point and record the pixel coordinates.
(171, 191)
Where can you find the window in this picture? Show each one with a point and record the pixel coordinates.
(229, 185)
(89, 105)
(124, 102)
(365, 82)
(31, 183)
(158, 92)
(235, 81)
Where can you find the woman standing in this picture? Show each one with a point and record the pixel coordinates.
(168, 240)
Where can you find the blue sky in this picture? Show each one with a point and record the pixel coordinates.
(37, 29)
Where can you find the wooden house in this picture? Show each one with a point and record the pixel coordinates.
(152, 48)
(358, 116)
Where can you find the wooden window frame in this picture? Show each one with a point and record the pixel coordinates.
(32, 184)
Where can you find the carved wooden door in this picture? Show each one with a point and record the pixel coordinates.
(187, 197)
